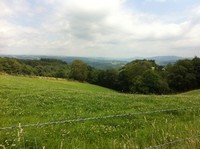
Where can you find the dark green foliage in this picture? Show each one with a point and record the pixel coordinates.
(196, 67)
(11, 66)
(144, 76)
(43, 67)
(92, 75)
(79, 70)
(131, 73)
(181, 76)
(108, 78)
(150, 82)
(140, 76)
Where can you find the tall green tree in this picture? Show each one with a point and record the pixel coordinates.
(108, 78)
(181, 76)
(196, 66)
(79, 70)
(150, 82)
(10, 65)
(131, 71)
(92, 75)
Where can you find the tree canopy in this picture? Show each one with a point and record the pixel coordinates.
(140, 76)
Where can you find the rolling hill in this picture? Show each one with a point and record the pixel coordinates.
(102, 63)
(67, 114)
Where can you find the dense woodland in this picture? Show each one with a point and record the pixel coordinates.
(139, 76)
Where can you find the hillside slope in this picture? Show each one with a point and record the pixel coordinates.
(39, 100)
(192, 93)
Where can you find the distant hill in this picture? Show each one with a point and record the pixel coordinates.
(160, 60)
(99, 63)
(164, 60)
(103, 63)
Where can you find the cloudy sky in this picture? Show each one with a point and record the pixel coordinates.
(100, 28)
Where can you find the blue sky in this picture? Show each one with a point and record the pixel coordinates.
(162, 7)
(114, 28)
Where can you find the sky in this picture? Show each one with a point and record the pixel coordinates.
(100, 28)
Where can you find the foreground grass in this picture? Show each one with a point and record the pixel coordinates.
(32, 100)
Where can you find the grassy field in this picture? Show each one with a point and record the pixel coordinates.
(38, 100)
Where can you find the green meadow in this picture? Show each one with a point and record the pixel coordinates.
(26, 100)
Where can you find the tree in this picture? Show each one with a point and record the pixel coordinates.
(108, 78)
(79, 70)
(92, 75)
(150, 83)
(10, 65)
(181, 76)
(131, 71)
(196, 66)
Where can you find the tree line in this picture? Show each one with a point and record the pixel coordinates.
(139, 76)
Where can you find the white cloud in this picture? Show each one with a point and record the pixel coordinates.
(156, 1)
(92, 28)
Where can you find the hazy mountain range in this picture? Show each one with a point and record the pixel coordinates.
(103, 63)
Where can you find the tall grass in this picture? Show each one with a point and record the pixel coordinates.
(32, 100)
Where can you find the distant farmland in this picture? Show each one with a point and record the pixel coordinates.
(68, 114)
